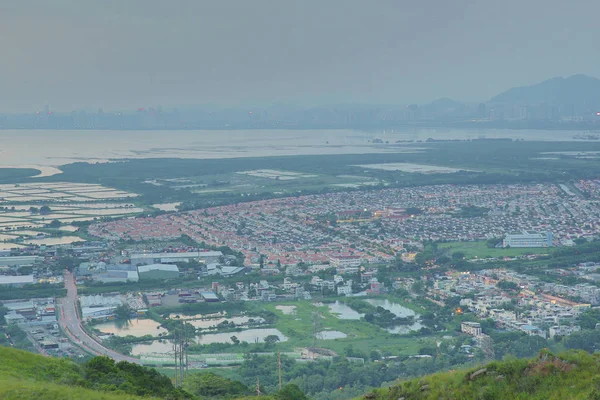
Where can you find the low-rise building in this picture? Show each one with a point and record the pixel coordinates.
(345, 261)
(562, 330)
(16, 281)
(528, 239)
(471, 328)
(158, 271)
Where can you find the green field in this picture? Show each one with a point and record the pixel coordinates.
(480, 250)
(361, 335)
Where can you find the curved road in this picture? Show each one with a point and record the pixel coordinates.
(71, 323)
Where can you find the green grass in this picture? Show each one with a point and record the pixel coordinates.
(572, 375)
(480, 250)
(25, 375)
(11, 389)
(361, 335)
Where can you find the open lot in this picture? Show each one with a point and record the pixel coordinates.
(277, 175)
(480, 250)
(363, 336)
(409, 167)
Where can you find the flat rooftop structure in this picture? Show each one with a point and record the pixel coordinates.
(16, 280)
(158, 267)
(19, 260)
(142, 258)
(209, 296)
(18, 305)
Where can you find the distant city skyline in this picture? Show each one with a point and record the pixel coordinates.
(123, 55)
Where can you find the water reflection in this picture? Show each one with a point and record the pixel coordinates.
(329, 335)
(399, 311)
(157, 346)
(214, 322)
(249, 335)
(343, 311)
(134, 327)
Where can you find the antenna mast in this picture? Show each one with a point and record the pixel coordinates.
(279, 368)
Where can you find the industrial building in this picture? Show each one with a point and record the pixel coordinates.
(223, 270)
(528, 239)
(112, 276)
(158, 271)
(16, 281)
(209, 297)
(100, 306)
(19, 261)
(105, 273)
(171, 258)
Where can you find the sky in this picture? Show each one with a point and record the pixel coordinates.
(119, 54)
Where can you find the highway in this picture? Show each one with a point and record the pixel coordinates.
(70, 322)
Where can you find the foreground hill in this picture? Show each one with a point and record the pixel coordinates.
(25, 375)
(573, 375)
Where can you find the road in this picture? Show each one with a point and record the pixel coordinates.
(70, 322)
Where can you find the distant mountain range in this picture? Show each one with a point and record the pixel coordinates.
(575, 90)
(571, 100)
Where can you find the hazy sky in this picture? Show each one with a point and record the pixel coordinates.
(130, 53)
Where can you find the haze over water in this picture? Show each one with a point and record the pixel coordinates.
(59, 147)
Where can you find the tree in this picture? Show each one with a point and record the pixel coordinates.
(270, 340)
(589, 318)
(458, 255)
(123, 312)
(418, 287)
(235, 340)
(34, 210)
(45, 210)
(443, 260)
(25, 270)
(55, 224)
(212, 385)
(507, 285)
(69, 263)
(291, 392)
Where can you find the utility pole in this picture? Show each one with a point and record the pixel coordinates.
(176, 361)
(279, 368)
(181, 356)
(317, 327)
(185, 346)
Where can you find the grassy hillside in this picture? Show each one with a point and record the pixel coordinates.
(25, 375)
(23, 389)
(572, 375)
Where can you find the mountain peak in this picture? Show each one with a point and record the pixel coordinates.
(574, 89)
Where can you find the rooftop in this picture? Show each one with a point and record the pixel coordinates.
(16, 280)
(158, 267)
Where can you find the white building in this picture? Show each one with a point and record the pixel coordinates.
(345, 289)
(345, 261)
(171, 258)
(20, 280)
(528, 239)
(471, 328)
(562, 330)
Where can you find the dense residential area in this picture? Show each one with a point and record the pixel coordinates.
(389, 276)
